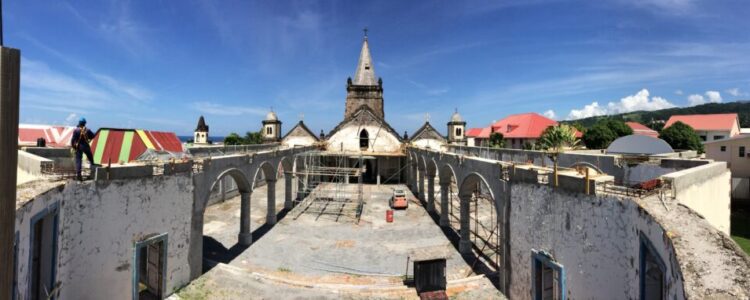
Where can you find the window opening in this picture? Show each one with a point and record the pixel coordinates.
(548, 277)
(652, 280)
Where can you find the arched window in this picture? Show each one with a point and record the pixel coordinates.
(364, 139)
(458, 131)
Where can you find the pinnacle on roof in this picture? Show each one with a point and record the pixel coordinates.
(271, 116)
(201, 125)
(365, 74)
(456, 117)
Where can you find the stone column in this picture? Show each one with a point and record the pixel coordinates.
(430, 193)
(271, 216)
(444, 196)
(421, 185)
(246, 237)
(287, 191)
(464, 245)
(10, 63)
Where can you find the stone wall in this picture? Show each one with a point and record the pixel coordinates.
(99, 224)
(595, 238)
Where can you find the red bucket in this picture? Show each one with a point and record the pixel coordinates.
(389, 216)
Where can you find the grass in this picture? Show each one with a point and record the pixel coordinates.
(741, 227)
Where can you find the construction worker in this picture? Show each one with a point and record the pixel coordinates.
(82, 136)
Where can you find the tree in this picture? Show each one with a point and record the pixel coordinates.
(253, 138)
(497, 140)
(233, 139)
(598, 137)
(604, 132)
(682, 136)
(555, 139)
(619, 128)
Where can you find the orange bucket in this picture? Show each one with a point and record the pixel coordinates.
(389, 216)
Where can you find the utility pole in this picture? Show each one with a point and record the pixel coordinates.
(10, 69)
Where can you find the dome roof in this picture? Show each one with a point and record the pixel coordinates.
(271, 116)
(639, 145)
(456, 117)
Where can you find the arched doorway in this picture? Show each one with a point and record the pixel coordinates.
(364, 139)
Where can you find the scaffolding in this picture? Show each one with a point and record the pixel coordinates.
(324, 188)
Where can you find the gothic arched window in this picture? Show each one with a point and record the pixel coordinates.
(364, 139)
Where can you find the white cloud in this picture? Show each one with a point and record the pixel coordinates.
(121, 87)
(696, 99)
(678, 92)
(550, 114)
(71, 119)
(639, 101)
(211, 108)
(736, 92)
(710, 97)
(713, 96)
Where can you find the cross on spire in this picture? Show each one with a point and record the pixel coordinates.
(301, 116)
(365, 30)
(427, 117)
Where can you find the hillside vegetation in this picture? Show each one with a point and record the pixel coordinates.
(647, 117)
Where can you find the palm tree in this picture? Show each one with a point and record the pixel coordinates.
(557, 139)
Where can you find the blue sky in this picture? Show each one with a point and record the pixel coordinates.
(161, 64)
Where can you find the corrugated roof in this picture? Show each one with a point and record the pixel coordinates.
(641, 129)
(55, 136)
(112, 145)
(706, 122)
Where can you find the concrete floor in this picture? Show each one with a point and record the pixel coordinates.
(320, 256)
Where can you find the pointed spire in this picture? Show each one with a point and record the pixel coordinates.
(365, 74)
(201, 125)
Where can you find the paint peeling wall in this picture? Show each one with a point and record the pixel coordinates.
(98, 227)
(596, 239)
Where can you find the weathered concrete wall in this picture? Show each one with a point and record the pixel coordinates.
(595, 238)
(433, 144)
(296, 141)
(98, 227)
(347, 139)
(63, 157)
(741, 189)
(33, 164)
(705, 189)
(643, 172)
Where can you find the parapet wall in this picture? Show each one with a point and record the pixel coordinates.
(99, 224)
(706, 189)
(595, 238)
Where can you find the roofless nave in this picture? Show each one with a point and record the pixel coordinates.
(485, 223)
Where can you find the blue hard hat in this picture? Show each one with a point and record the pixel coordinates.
(82, 121)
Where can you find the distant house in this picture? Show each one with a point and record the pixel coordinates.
(710, 127)
(517, 130)
(473, 136)
(734, 151)
(640, 129)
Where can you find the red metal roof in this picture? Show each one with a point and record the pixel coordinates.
(55, 136)
(641, 129)
(125, 145)
(528, 125)
(706, 122)
(473, 132)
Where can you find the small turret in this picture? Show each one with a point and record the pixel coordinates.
(200, 135)
(457, 130)
(271, 128)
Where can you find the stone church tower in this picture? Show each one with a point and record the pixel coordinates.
(365, 89)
